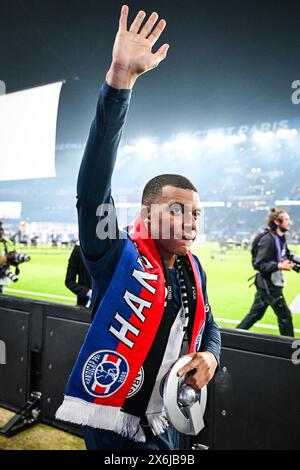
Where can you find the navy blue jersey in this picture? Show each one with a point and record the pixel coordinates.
(94, 188)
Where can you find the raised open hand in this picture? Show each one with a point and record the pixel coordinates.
(132, 51)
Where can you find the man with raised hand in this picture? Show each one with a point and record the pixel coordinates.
(150, 304)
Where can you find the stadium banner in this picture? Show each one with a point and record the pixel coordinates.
(28, 132)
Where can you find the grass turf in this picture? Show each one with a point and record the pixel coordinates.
(38, 437)
(229, 294)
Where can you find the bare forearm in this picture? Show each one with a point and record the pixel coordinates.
(120, 78)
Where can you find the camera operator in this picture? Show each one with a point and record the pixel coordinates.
(78, 279)
(270, 258)
(5, 247)
(9, 257)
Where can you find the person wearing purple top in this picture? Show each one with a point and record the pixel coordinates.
(270, 258)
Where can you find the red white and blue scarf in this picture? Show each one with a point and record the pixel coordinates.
(133, 341)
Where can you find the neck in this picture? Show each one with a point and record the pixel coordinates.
(279, 232)
(169, 261)
(168, 258)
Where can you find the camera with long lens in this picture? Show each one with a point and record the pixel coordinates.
(8, 274)
(13, 259)
(17, 258)
(296, 262)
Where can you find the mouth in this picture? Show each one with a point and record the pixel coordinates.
(185, 241)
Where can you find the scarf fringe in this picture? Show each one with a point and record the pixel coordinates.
(78, 411)
(158, 422)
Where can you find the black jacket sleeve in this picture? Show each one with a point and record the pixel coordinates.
(72, 274)
(265, 260)
(211, 339)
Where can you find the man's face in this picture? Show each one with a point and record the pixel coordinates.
(284, 222)
(173, 218)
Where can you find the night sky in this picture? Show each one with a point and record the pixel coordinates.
(230, 62)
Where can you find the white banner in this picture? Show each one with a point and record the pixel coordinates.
(28, 132)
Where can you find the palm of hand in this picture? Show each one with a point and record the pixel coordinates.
(133, 53)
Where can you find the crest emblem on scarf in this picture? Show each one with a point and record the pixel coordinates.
(104, 373)
(137, 383)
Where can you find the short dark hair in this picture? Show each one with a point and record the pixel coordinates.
(154, 187)
(274, 214)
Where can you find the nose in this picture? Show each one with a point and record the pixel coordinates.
(190, 222)
(195, 222)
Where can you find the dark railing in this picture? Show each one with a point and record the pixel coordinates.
(253, 402)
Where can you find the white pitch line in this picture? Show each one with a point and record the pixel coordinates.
(295, 305)
(40, 294)
(258, 325)
(63, 297)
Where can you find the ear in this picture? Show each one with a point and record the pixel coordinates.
(145, 214)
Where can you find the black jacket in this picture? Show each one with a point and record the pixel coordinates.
(265, 259)
(76, 268)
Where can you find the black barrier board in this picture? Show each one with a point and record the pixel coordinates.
(62, 342)
(256, 402)
(253, 401)
(14, 374)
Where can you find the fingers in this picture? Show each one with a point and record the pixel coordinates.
(136, 24)
(157, 32)
(197, 382)
(201, 361)
(161, 54)
(204, 365)
(147, 28)
(123, 18)
(190, 365)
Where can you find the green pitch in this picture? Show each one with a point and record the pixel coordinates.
(230, 297)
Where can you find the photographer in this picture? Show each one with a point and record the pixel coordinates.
(270, 258)
(78, 279)
(9, 257)
(5, 248)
